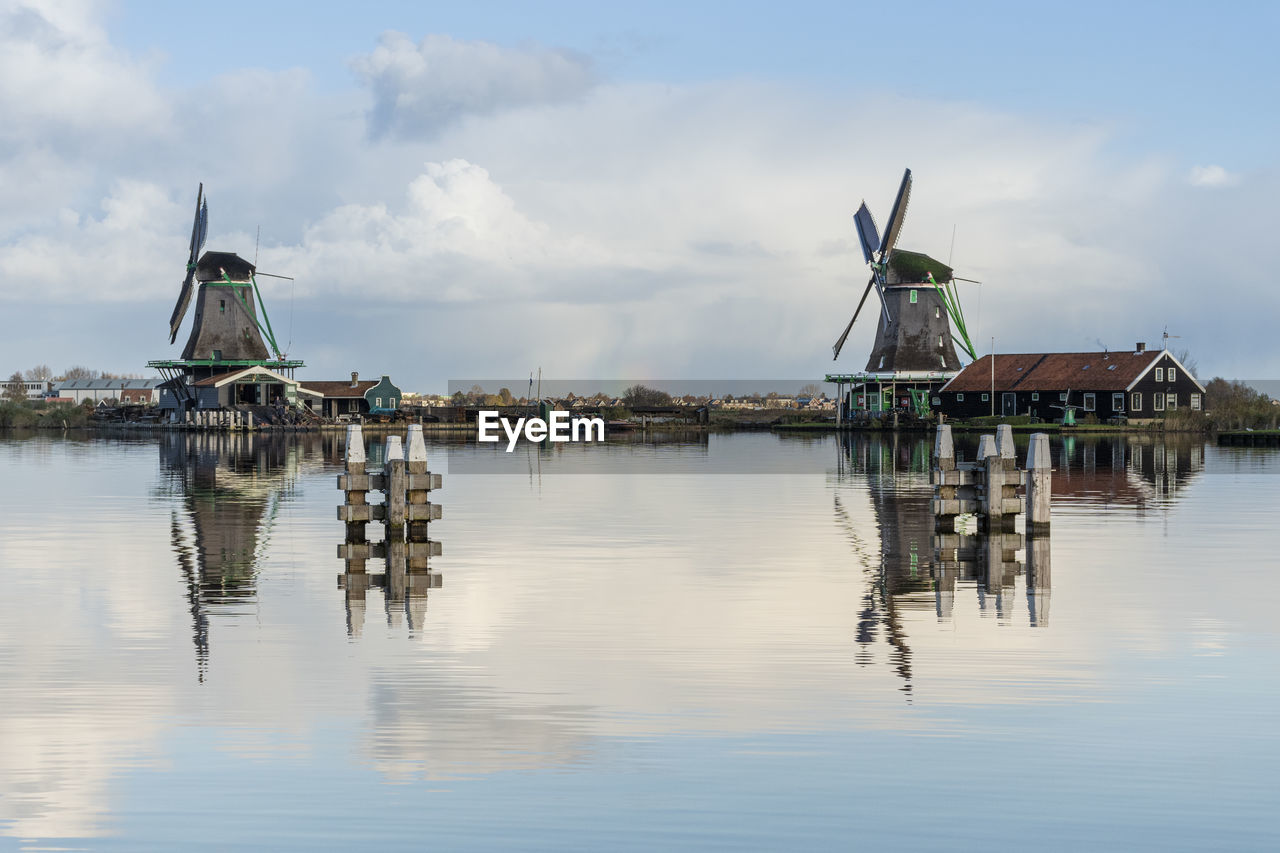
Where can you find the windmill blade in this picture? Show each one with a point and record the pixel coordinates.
(840, 343)
(180, 310)
(199, 227)
(203, 230)
(868, 234)
(899, 213)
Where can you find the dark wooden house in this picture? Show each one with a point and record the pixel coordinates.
(356, 398)
(1138, 385)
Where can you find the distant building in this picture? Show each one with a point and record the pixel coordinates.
(35, 389)
(1138, 385)
(133, 391)
(357, 397)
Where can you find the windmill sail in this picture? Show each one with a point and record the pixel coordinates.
(868, 234)
(840, 343)
(199, 228)
(896, 216)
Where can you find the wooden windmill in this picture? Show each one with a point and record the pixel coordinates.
(918, 304)
(230, 328)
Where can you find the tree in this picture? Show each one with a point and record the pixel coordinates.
(811, 390)
(14, 390)
(504, 394)
(643, 395)
(1235, 405)
(40, 373)
(1188, 361)
(80, 372)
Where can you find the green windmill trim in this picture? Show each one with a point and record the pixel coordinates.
(265, 330)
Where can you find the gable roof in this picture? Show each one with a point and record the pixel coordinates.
(1060, 371)
(217, 380)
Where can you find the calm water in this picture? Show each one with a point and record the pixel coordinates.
(634, 649)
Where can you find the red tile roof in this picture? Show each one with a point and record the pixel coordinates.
(341, 388)
(1055, 371)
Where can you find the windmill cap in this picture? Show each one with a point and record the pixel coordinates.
(211, 266)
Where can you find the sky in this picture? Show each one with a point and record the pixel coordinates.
(653, 192)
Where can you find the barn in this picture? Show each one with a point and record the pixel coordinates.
(1138, 385)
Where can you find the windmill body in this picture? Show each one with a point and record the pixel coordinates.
(918, 337)
(920, 319)
(225, 326)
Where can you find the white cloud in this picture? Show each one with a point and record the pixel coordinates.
(420, 88)
(1212, 176)
(59, 73)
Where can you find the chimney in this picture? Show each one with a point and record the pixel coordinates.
(1142, 346)
(355, 378)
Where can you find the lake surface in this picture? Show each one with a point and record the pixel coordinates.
(730, 642)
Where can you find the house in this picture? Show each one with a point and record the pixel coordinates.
(1137, 385)
(130, 391)
(357, 397)
(246, 386)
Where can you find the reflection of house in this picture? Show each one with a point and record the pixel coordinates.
(356, 397)
(139, 391)
(1139, 385)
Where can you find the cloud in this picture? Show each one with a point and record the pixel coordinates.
(1212, 176)
(420, 88)
(60, 74)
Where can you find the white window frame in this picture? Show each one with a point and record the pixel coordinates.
(1062, 397)
(1090, 401)
(960, 397)
(1170, 402)
(1159, 374)
(1159, 401)
(986, 398)
(1035, 396)
(1135, 401)
(1195, 402)
(1117, 402)
(1170, 375)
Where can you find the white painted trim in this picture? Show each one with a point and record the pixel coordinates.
(1165, 352)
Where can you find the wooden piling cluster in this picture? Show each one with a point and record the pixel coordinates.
(405, 511)
(987, 546)
(988, 487)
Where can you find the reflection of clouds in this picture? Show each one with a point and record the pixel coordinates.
(86, 673)
(432, 728)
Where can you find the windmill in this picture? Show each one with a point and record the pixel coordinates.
(1068, 408)
(226, 328)
(230, 329)
(918, 302)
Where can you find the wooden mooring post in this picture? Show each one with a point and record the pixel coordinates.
(405, 514)
(1039, 478)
